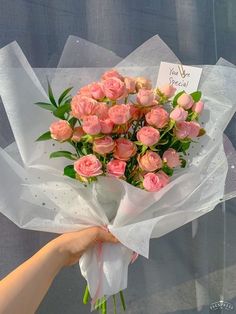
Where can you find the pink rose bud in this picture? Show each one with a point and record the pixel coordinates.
(148, 136)
(167, 90)
(185, 101)
(198, 107)
(130, 84)
(135, 112)
(116, 168)
(182, 130)
(104, 145)
(171, 157)
(157, 117)
(61, 130)
(97, 91)
(124, 149)
(101, 110)
(194, 129)
(119, 114)
(114, 88)
(178, 114)
(88, 166)
(91, 125)
(143, 83)
(112, 73)
(150, 161)
(78, 132)
(82, 106)
(85, 91)
(153, 182)
(106, 126)
(145, 97)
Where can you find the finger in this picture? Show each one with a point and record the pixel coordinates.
(106, 236)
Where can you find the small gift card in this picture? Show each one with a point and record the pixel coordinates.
(182, 77)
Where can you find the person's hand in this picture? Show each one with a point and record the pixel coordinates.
(71, 246)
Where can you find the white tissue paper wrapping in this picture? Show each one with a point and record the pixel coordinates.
(35, 195)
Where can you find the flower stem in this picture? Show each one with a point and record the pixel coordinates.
(122, 299)
(86, 295)
(114, 303)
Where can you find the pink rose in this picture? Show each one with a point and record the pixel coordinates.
(171, 157)
(157, 117)
(182, 130)
(143, 83)
(106, 125)
(124, 149)
(112, 73)
(130, 84)
(85, 91)
(61, 130)
(78, 132)
(101, 110)
(97, 91)
(119, 114)
(148, 136)
(145, 97)
(198, 107)
(82, 106)
(178, 114)
(153, 182)
(194, 129)
(150, 161)
(114, 88)
(116, 168)
(88, 166)
(135, 112)
(185, 101)
(167, 90)
(104, 145)
(91, 125)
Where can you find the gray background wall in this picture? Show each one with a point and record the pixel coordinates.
(194, 265)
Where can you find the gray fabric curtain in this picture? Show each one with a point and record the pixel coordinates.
(193, 266)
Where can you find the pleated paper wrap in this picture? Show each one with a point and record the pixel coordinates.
(35, 195)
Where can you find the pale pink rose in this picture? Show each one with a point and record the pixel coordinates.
(194, 129)
(91, 125)
(171, 157)
(112, 73)
(88, 166)
(101, 110)
(157, 117)
(150, 161)
(78, 132)
(106, 126)
(148, 136)
(96, 91)
(145, 97)
(143, 83)
(119, 114)
(185, 101)
(178, 114)
(85, 91)
(104, 145)
(124, 149)
(116, 168)
(167, 90)
(114, 88)
(198, 107)
(153, 182)
(61, 130)
(130, 84)
(182, 130)
(82, 106)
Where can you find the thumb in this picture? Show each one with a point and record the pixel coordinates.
(106, 236)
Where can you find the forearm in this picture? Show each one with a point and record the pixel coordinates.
(23, 289)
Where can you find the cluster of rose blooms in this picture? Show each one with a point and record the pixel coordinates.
(120, 126)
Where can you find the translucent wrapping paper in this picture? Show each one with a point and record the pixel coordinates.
(35, 195)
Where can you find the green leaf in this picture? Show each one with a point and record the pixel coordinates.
(45, 105)
(70, 172)
(72, 121)
(63, 153)
(169, 171)
(60, 111)
(63, 95)
(196, 96)
(185, 146)
(183, 162)
(51, 96)
(175, 103)
(44, 137)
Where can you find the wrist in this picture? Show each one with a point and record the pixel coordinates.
(58, 253)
